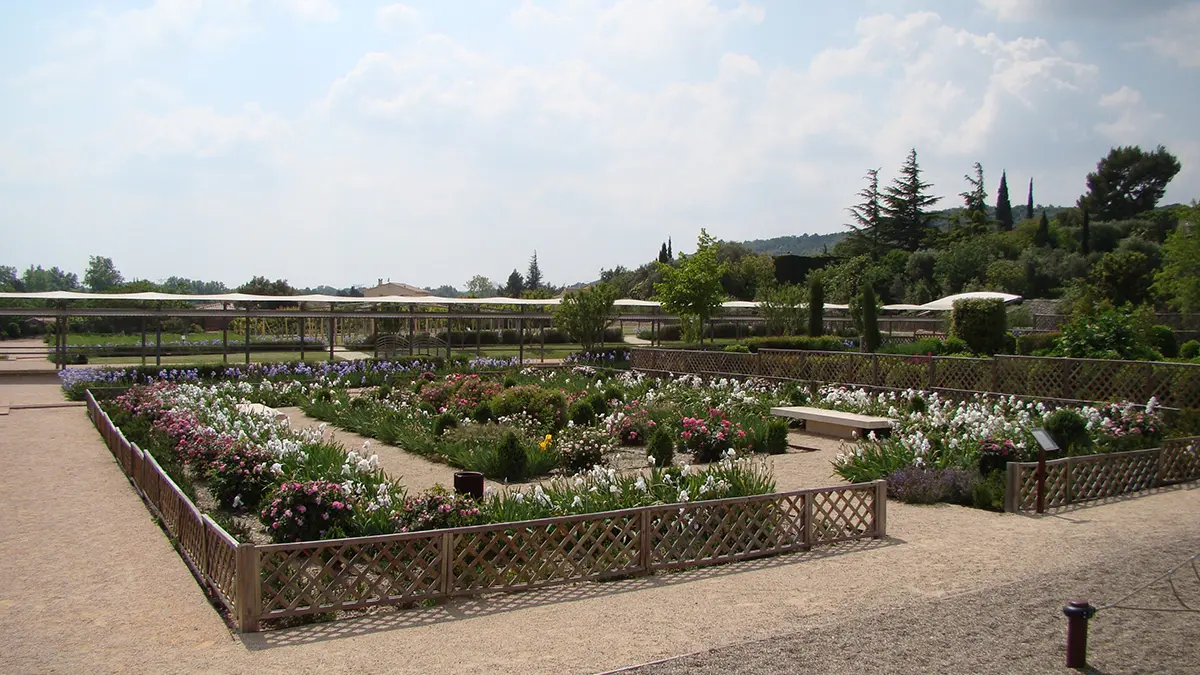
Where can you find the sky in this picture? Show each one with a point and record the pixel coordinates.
(335, 142)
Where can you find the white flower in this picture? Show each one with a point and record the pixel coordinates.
(640, 484)
(650, 460)
(577, 502)
(277, 468)
(683, 496)
(237, 501)
(612, 489)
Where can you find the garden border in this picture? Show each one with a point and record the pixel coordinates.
(1035, 377)
(1071, 480)
(294, 579)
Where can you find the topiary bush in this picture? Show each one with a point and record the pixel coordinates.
(1190, 349)
(1162, 338)
(443, 422)
(955, 345)
(547, 406)
(777, 436)
(826, 344)
(981, 323)
(12, 330)
(512, 463)
(661, 447)
(582, 413)
(482, 412)
(1030, 344)
(1069, 430)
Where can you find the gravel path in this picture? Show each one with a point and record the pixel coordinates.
(88, 583)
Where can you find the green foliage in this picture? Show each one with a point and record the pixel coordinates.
(1042, 236)
(102, 274)
(963, 262)
(981, 323)
(585, 314)
(1162, 339)
(736, 349)
(1004, 212)
(516, 284)
(482, 412)
(1129, 181)
(1179, 279)
(1006, 276)
(12, 330)
(816, 304)
(546, 406)
(661, 447)
(533, 280)
(870, 323)
(826, 343)
(777, 436)
(582, 413)
(1107, 334)
(692, 289)
(513, 463)
(905, 207)
(443, 422)
(1069, 430)
(1030, 344)
(868, 236)
(783, 306)
(988, 493)
(1190, 349)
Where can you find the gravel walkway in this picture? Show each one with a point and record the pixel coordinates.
(88, 583)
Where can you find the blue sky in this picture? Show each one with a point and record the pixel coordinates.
(339, 141)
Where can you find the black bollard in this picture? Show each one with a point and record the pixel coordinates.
(469, 483)
(1078, 612)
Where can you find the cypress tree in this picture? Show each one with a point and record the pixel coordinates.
(1085, 236)
(816, 304)
(870, 336)
(1029, 204)
(663, 257)
(1042, 236)
(1004, 212)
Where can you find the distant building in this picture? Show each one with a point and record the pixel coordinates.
(394, 288)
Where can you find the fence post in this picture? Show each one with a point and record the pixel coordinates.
(808, 518)
(645, 545)
(995, 375)
(880, 509)
(249, 591)
(875, 370)
(1068, 480)
(932, 373)
(1012, 487)
(447, 585)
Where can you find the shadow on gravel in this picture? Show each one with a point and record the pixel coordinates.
(397, 618)
(1083, 506)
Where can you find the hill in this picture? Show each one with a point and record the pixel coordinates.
(803, 244)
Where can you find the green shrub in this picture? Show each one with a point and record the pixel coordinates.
(613, 393)
(661, 447)
(981, 323)
(988, 493)
(1029, 344)
(1190, 349)
(777, 436)
(955, 345)
(510, 382)
(870, 319)
(443, 422)
(826, 343)
(12, 330)
(917, 404)
(482, 412)
(598, 403)
(513, 463)
(582, 413)
(1162, 338)
(1069, 430)
(816, 304)
(546, 406)
(737, 349)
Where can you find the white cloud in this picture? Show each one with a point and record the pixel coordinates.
(1176, 37)
(1019, 11)
(1135, 119)
(312, 10)
(397, 16)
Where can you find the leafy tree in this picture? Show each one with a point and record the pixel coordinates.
(1042, 236)
(1006, 276)
(816, 303)
(586, 313)
(8, 279)
(444, 291)
(533, 280)
(1124, 277)
(38, 280)
(906, 205)
(192, 286)
(866, 218)
(101, 274)
(692, 289)
(745, 271)
(920, 285)
(516, 284)
(962, 263)
(870, 323)
(1029, 203)
(782, 306)
(1085, 234)
(1179, 279)
(481, 287)
(1004, 212)
(264, 286)
(1129, 181)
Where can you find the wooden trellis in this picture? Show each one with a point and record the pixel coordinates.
(279, 580)
(1175, 385)
(1072, 480)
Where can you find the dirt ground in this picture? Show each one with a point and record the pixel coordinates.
(88, 583)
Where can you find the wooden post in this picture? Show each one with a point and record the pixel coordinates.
(932, 372)
(247, 333)
(543, 329)
(1041, 481)
(302, 332)
(332, 330)
(521, 339)
(449, 336)
(412, 327)
(143, 349)
(1012, 487)
(447, 580)
(645, 540)
(224, 333)
(1069, 480)
(808, 517)
(158, 335)
(478, 342)
(880, 509)
(875, 370)
(249, 591)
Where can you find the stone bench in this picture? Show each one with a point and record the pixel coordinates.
(834, 423)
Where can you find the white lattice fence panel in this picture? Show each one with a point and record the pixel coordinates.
(514, 556)
(349, 573)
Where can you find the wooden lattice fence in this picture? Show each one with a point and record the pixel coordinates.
(264, 582)
(1175, 385)
(1072, 480)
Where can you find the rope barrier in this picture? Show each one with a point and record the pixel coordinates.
(1169, 575)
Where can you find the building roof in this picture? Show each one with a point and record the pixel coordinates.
(395, 288)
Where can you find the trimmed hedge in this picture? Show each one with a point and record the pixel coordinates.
(671, 332)
(981, 323)
(827, 343)
(533, 336)
(1030, 343)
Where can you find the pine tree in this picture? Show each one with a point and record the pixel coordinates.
(533, 280)
(906, 205)
(866, 216)
(974, 202)
(1004, 212)
(1041, 237)
(1085, 236)
(1029, 204)
(516, 284)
